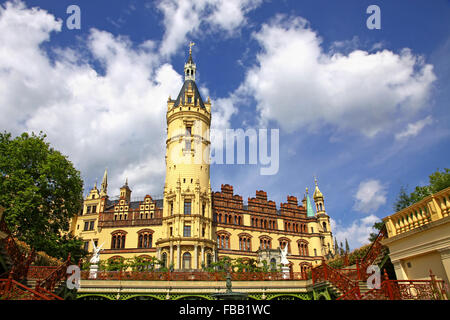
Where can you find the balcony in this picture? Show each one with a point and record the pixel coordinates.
(429, 209)
(107, 220)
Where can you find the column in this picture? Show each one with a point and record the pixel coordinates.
(445, 258)
(171, 260)
(399, 270)
(202, 255)
(178, 256)
(195, 256)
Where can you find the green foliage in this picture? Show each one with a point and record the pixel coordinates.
(437, 182)
(376, 226)
(338, 262)
(240, 265)
(40, 191)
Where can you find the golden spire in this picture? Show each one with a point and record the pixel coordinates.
(317, 193)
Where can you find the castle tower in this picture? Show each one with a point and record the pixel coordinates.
(104, 187)
(188, 239)
(324, 221)
(125, 192)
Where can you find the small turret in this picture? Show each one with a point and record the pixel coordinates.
(125, 192)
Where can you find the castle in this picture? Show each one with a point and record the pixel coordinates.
(192, 226)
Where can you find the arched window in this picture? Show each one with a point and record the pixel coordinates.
(324, 226)
(303, 248)
(273, 264)
(208, 259)
(145, 239)
(118, 240)
(186, 261)
(164, 259)
(244, 242)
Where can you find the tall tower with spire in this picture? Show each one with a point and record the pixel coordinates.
(104, 186)
(188, 239)
(323, 220)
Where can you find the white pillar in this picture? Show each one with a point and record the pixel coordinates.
(399, 270)
(178, 256)
(195, 257)
(445, 259)
(202, 255)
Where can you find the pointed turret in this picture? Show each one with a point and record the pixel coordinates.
(309, 209)
(318, 199)
(104, 187)
(125, 191)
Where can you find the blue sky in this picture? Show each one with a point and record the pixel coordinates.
(366, 111)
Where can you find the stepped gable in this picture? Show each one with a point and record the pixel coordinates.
(259, 204)
(292, 209)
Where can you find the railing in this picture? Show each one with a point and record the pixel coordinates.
(431, 208)
(326, 273)
(40, 272)
(13, 290)
(20, 260)
(374, 251)
(192, 276)
(54, 278)
(409, 290)
(133, 219)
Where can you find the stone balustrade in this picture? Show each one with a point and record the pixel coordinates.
(431, 208)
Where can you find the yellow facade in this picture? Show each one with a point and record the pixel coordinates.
(419, 238)
(183, 229)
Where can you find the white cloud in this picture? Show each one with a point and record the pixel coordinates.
(413, 129)
(188, 17)
(297, 84)
(371, 194)
(113, 119)
(357, 233)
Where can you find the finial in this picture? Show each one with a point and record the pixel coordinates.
(306, 190)
(315, 180)
(126, 181)
(191, 44)
(95, 185)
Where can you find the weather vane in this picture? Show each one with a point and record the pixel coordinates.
(191, 44)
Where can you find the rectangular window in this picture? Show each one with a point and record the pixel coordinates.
(88, 209)
(171, 231)
(94, 209)
(187, 231)
(203, 209)
(86, 226)
(86, 246)
(187, 206)
(171, 207)
(91, 225)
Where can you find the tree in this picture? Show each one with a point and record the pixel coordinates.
(347, 247)
(403, 200)
(40, 191)
(437, 182)
(377, 226)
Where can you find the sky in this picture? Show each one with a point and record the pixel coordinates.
(363, 110)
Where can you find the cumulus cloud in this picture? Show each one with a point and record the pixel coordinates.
(187, 17)
(413, 129)
(371, 194)
(297, 84)
(357, 233)
(113, 117)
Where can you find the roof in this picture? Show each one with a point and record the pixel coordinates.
(181, 95)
